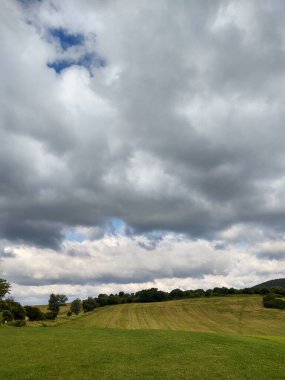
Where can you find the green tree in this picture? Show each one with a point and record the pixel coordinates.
(34, 313)
(76, 306)
(14, 307)
(18, 311)
(151, 295)
(176, 294)
(55, 301)
(89, 304)
(5, 288)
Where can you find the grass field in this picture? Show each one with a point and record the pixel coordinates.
(65, 353)
(188, 339)
(235, 315)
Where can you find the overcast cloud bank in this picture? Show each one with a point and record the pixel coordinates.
(142, 143)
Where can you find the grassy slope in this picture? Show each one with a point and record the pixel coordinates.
(75, 354)
(235, 315)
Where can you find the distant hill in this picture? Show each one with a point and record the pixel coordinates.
(271, 283)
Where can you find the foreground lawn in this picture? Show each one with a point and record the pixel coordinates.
(88, 353)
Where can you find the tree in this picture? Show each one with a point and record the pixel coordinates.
(151, 295)
(14, 307)
(18, 311)
(55, 301)
(34, 313)
(176, 294)
(5, 288)
(76, 306)
(89, 304)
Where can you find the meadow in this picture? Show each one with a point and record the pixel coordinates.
(216, 338)
(243, 315)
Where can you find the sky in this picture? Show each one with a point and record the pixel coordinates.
(141, 145)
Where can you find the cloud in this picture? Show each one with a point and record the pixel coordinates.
(114, 259)
(272, 250)
(115, 263)
(167, 116)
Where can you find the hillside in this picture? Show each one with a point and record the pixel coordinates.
(235, 315)
(271, 283)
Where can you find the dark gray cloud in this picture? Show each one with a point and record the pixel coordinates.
(181, 130)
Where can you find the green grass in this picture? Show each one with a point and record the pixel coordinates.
(216, 338)
(234, 315)
(88, 353)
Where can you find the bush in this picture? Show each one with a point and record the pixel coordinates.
(269, 297)
(18, 311)
(69, 313)
(89, 304)
(76, 306)
(276, 303)
(18, 323)
(14, 307)
(50, 315)
(34, 313)
(7, 315)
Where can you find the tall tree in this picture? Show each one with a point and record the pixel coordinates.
(55, 301)
(5, 288)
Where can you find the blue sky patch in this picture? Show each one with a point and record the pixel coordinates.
(88, 61)
(67, 39)
(72, 235)
(60, 65)
(118, 224)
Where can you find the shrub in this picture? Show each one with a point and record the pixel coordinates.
(18, 323)
(18, 311)
(276, 303)
(50, 315)
(7, 315)
(76, 306)
(34, 313)
(89, 304)
(69, 313)
(15, 307)
(269, 297)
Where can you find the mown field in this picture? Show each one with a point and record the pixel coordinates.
(70, 353)
(235, 315)
(217, 338)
